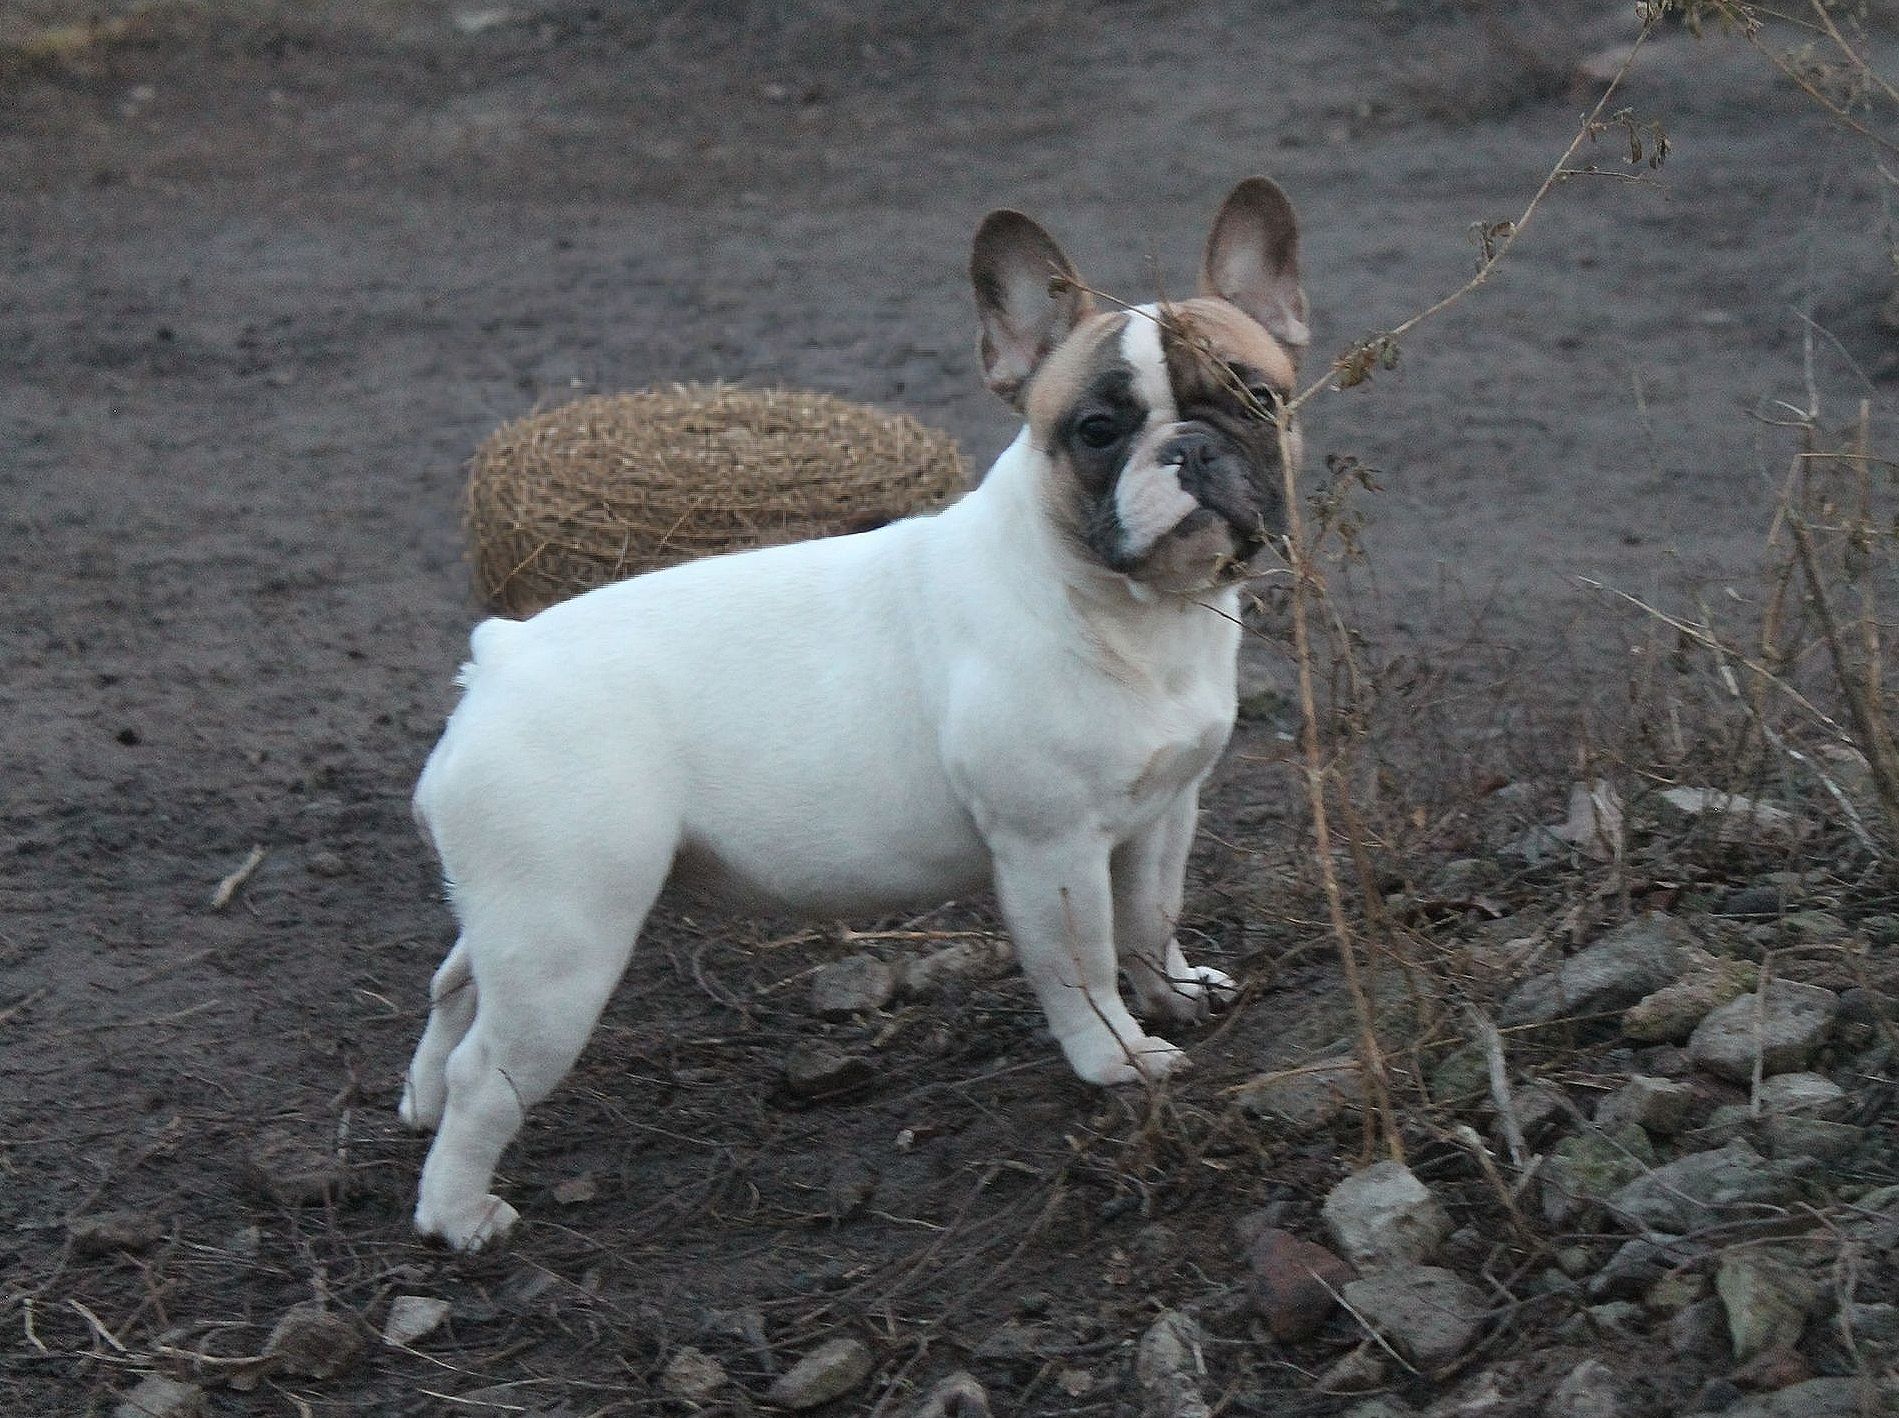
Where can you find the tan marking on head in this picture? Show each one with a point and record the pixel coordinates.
(1059, 383)
(1229, 335)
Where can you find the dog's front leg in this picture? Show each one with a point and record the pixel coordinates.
(1149, 873)
(1058, 902)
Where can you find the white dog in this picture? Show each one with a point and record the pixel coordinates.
(1024, 690)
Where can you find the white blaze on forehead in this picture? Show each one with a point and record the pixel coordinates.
(1141, 348)
(1149, 501)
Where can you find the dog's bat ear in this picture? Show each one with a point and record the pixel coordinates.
(1027, 295)
(1252, 260)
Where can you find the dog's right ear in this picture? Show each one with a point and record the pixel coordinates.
(1028, 296)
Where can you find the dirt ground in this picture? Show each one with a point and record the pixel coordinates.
(268, 279)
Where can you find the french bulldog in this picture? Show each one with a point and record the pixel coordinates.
(1022, 691)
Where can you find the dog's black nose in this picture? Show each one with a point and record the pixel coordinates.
(1192, 450)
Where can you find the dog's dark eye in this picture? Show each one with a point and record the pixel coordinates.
(1098, 431)
(1264, 396)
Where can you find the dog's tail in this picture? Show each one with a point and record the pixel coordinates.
(489, 644)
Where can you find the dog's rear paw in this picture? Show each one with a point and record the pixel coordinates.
(469, 1229)
(1189, 1000)
(1113, 1063)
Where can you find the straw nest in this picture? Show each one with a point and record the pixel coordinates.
(606, 487)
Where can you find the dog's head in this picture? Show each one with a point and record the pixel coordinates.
(1157, 424)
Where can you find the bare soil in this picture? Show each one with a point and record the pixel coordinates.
(270, 275)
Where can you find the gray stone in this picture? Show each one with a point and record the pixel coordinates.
(1724, 1125)
(957, 1395)
(1808, 1094)
(1615, 1317)
(1658, 1106)
(1700, 1332)
(1427, 1314)
(1631, 961)
(1306, 1099)
(1590, 1390)
(692, 1374)
(1766, 1299)
(1630, 1271)
(1363, 1368)
(411, 1317)
(1170, 1365)
(1384, 1215)
(977, 959)
(830, 1371)
(107, 1231)
(160, 1397)
(313, 1342)
(1669, 1016)
(1384, 1406)
(816, 1070)
(1794, 1021)
(294, 1172)
(1871, 1323)
(1700, 1188)
(1816, 1398)
(851, 986)
(1541, 1112)
(1790, 1135)
(1461, 1077)
(1590, 1167)
(1733, 817)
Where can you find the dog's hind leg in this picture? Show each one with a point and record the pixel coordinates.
(451, 1011)
(543, 962)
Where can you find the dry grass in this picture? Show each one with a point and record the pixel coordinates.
(606, 487)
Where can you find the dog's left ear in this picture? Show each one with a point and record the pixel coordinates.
(1252, 260)
(1027, 295)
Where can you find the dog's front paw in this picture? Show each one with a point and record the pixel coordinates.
(1113, 1063)
(1190, 998)
(469, 1229)
(419, 1114)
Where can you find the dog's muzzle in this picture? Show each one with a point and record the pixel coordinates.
(1222, 480)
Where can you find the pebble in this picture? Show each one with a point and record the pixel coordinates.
(1589, 1168)
(692, 1374)
(291, 1171)
(1816, 1398)
(1169, 1365)
(1696, 1190)
(314, 1342)
(854, 985)
(1791, 1136)
(1428, 1314)
(1590, 1390)
(1766, 1299)
(1294, 1283)
(160, 1397)
(1785, 1033)
(957, 1395)
(411, 1317)
(819, 1071)
(1669, 1016)
(1700, 1332)
(1384, 1215)
(1807, 1094)
(1363, 1368)
(979, 959)
(830, 1371)
(1632, 961)
(1307, 1099)
(1658, 1106)
(1734, 817)
(107, 1231)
